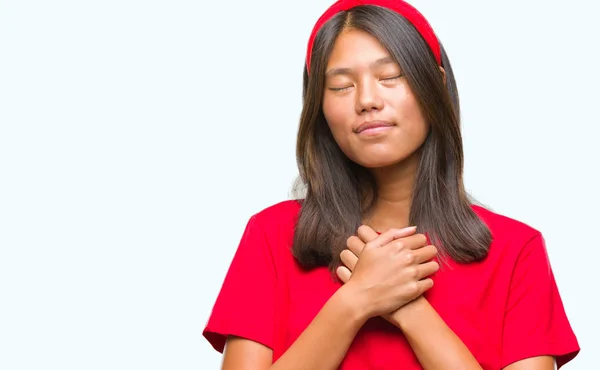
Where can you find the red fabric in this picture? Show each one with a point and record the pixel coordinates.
(504, 309)
(399, 6)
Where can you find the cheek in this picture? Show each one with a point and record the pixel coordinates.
(334, 113)
(411, 119)
(338, 118)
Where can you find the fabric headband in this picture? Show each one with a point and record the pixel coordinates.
(399, 6)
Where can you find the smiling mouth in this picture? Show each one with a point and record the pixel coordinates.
(374, 126)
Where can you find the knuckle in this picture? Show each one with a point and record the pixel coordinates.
(399, 244)
(368, 250)
(412, 288)
(412, 272)
(410, 257)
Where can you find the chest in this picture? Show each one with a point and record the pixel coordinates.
(465, 301)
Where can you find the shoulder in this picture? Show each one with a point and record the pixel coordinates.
(282, 213)
(509, 234)
(503, 226)
(277, 223)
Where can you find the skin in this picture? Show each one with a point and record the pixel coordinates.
(370, 92)
(383, 280)
(423, 327)
(384, 275)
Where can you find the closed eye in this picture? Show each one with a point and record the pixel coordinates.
(340, 88)
(392, 78)
(389, 79)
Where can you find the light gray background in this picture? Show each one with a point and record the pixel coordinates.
(138, 137)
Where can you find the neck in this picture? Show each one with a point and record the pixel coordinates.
(395, 189)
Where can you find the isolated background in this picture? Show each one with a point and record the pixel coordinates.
(138, 137)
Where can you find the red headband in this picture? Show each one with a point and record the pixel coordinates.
(399, 6)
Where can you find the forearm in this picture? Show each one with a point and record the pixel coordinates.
(324, 343)
(433, 342)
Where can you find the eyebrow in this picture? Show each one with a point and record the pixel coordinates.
(346, 71)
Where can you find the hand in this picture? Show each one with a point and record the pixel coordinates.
(388, 270)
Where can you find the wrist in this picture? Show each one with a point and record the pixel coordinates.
(407, 314)
(354, 306)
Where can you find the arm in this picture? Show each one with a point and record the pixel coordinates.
(381, 282)
(433, 342)
(534, 363)
(322, 345)
(437, 347)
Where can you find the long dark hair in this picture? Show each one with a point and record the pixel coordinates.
(339, 192)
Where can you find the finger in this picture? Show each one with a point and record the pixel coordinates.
(355, 244)
(424, 285)
(411, 242)
(349, 259)
(389, 236)
(427, 269)
(407, 231)
(424, 254)
(343, 274)
(366, 233)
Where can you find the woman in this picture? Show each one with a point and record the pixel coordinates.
(339, 279)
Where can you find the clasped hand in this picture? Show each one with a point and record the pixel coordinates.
(387, 271)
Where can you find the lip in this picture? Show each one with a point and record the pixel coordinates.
(372, 125)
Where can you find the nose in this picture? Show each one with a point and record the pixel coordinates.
(368, 97)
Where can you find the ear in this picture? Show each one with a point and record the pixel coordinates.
(443, 74)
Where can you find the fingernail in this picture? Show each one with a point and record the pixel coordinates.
(409, 228)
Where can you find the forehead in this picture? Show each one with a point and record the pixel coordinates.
(355, 47)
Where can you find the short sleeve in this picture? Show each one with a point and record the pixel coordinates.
(245, 304)
(535, 322)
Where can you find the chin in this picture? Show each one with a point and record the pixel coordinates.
(378, 163)
(382, 160)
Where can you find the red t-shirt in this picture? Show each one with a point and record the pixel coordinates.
(505, 308)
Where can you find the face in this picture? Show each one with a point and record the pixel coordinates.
(368, 104)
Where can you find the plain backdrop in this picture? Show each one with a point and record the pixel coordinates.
(138, 137)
